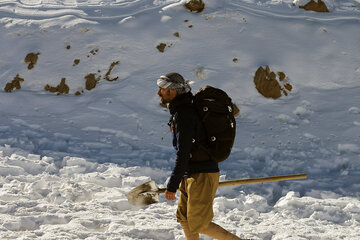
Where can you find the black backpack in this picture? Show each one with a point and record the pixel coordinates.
(216, 111)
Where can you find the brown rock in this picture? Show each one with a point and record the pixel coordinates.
(91, 81)
(161, 47)
(318, 6)
(195, 5)
(78, 93)
(50, 88)
(281, 75)
(94, 51)
(267, 84)
(76, 62)
(31, 58)
(62, 88)
(15, 83)
(288, 87)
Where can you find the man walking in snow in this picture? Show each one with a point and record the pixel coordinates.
(195, 174)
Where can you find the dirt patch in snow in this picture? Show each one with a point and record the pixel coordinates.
(161, 47)
(15, 83)
(318, 6)
(107, 75)
(91, 81)
(31, 59)
(93, 52)
(62, 88)
(271, 85)
(195, 5)
(76, 62)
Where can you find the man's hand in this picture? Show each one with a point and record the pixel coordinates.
(170, 195)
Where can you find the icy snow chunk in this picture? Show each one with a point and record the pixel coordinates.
(22, 224)
(309, 136)
(33, 157)
(134, 181)
(38, 189)
(120, 205)
(31, 166)
(353, 208)
(288, 200)
(354, 110)
(74, 165)
(256, 152)
(5, 208)
(222, 203)
(56, 198)
(286, 119)
(126, 19)
(256, 202)
(300, 111)
(331, 214)
(300, 2)
(322, 194)
(70, 170)
(346, 148)
(54, 219)
(76, 193)
(74, 161)
(11, 171)
(165, 19)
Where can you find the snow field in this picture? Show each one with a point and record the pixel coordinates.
(67, 162)
(41, 199)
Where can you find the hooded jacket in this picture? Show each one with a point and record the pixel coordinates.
(188, 138)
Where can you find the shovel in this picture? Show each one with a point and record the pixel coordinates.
(148, 193)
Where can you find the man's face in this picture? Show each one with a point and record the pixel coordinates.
(166, 95)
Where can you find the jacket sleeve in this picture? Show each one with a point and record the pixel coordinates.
(184, 130)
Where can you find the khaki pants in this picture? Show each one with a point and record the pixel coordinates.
(195, 205)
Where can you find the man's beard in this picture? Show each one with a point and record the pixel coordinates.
(163, 103)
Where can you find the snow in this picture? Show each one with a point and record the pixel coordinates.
(67, 162)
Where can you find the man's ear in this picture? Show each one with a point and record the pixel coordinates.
(174, 93)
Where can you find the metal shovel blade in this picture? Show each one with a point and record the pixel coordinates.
(145, 194)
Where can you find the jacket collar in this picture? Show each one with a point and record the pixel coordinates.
(180, 101)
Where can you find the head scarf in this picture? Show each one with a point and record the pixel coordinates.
(175, 82)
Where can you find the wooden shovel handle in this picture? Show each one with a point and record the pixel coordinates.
(254, 180)
(263, 179)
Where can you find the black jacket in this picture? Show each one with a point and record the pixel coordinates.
(189, 137)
